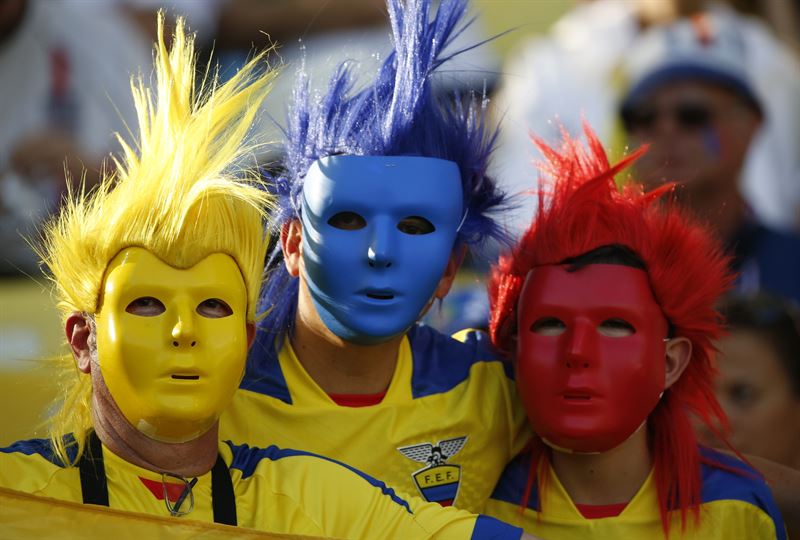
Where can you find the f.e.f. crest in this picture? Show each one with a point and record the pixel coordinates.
(438, 481)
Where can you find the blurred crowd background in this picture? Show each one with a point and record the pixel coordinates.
(712, 87)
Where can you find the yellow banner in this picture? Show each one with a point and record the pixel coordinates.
(27, 517)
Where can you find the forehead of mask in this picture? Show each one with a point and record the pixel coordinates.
(377, 234)
(590, 354)
(172, 342)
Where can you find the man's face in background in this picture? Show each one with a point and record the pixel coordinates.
(698, 132)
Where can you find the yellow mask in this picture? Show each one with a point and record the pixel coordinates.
(172, 343)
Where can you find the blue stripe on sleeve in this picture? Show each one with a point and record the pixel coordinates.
(747, 486)
(487, 528)
(246, 459)
(43, 448)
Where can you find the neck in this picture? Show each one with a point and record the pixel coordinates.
(191, 458)
(611, 477)
(724, 209)
(336, 365)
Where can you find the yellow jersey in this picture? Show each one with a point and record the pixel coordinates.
(734, 506)
(275, 490)
(447, 425)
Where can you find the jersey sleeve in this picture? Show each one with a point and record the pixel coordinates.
(727, 518)
(351, 504)
(449, 522)
(738, 497)
(31, 467)
(339, 501)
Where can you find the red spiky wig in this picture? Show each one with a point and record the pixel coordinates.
(583, 210)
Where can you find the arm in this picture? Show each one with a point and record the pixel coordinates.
(374, 510)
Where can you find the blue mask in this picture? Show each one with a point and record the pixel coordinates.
(378, 232)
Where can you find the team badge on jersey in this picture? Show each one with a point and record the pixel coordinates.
(438, 481)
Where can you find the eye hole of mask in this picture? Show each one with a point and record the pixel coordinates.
(415, 225)
(616, 328)
(214, 308)
(548, 326)
(146, 306)
(347, 221)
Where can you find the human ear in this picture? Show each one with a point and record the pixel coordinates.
(450, 271)
(78, 332)
(291, 245)
(677, 355)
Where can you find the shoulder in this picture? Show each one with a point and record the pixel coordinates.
(442, 362)
(778, 239)
(726, 478)
(264, 374)
(32, 466)
(511, 486)
(774, 245)
(35, 450)
(771, 257)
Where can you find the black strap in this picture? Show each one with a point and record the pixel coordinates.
(94, 487)
(223, 501)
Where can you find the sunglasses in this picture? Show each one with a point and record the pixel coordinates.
(689, 116)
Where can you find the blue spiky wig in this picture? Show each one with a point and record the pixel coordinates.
(396, 115)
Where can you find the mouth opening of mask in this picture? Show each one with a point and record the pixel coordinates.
(380, 296)
(577, 397)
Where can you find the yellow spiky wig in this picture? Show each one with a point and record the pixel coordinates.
(184, 193)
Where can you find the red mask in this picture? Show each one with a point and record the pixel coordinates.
(590, 354)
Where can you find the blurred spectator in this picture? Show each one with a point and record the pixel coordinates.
(317, 34)
(202, 16)
(65, 84)
(322, 34)
(576, 72)
(243, 22)
(692, 100)
(759, 377)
